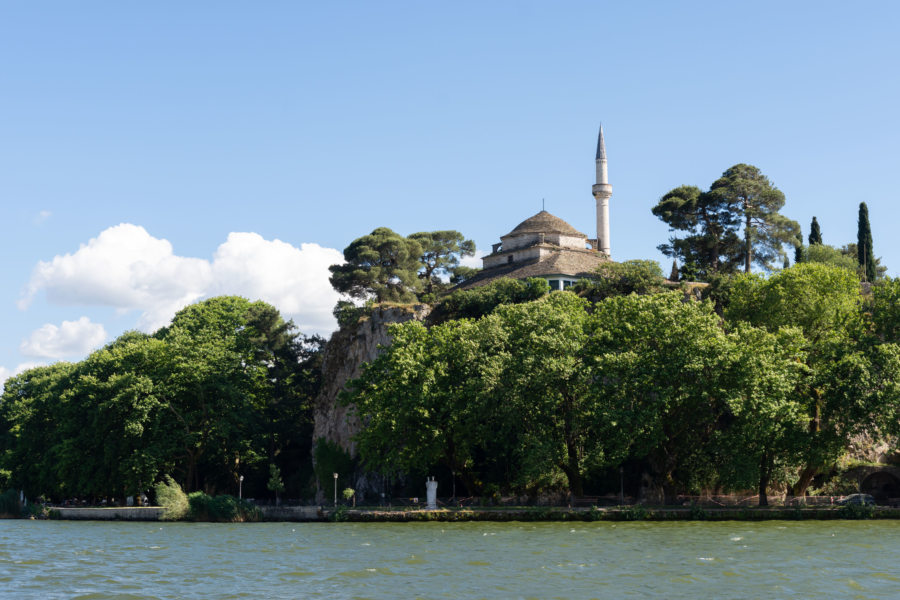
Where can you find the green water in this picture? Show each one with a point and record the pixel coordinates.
(824, 559)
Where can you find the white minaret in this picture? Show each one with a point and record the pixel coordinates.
(602, 191)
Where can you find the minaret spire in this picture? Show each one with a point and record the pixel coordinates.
(602, 191)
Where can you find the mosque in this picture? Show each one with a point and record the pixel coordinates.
(546, 246)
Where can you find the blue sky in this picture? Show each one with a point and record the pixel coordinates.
(154, 154)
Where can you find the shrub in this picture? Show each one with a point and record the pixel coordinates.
(330, 458)
(480, 301)
(174, 501)
(9, 504)
(856, 511)
(221, 509)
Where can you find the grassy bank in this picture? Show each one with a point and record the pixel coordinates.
(627, 513)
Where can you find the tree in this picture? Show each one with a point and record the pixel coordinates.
(829, 255)
(759, 376)
(848, 377)
(756, 202)
(709, 241)
(618, 279)
(865, 255)
(275, 483)
(382, 265)
(798, 248)
(419, 400)
(851, 251)
(441, 253)
(656, 362)
(815, 234)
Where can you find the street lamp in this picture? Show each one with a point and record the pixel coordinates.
(240, 487)
(335, 490)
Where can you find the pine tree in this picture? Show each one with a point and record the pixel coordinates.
(864, 244)
(815, 234)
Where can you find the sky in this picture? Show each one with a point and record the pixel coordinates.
(155, 154)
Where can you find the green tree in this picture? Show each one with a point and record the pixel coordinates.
(815, 233)
(865, 255)
(419, 400)
(845, 384)
(275, 483)
(767, 420)
(383, 265)
(798, 248)
(31, 440)
(656, 363)
(753, 198)
(441, 253)
(708, 242)
(829, 255)
(852, 252)
(628, 277)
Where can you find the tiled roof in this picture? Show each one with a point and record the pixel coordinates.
(544, 222)
(563, 261)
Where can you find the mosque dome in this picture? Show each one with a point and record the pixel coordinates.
(544, 222)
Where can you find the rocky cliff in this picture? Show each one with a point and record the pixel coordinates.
(346, 352)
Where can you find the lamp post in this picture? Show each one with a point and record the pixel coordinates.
(335, 490)
(240, 487)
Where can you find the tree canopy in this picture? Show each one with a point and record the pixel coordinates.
(736, 223)
(223, 391)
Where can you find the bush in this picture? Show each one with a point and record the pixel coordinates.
(856, 511)
(221, 509)
(174, 501)
(9, 504)
(482, 300)
(330, 458)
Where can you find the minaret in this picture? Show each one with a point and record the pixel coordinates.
(602, 191)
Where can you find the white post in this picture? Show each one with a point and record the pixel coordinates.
(431, 493)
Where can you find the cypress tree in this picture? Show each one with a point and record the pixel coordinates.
(815, 234)
(673, 276)
(798, 248)
(864, 243)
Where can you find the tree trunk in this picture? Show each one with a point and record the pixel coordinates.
(572, 471)
(764, 479)
(748, 246)
(806, 477)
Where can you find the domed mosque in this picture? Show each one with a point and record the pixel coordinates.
(546, 246)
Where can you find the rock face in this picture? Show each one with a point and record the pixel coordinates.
(346, 352)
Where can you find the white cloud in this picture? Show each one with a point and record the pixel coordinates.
(294, 280)
(473, 261)
(42, 216)
(72, 338)
(128, 269)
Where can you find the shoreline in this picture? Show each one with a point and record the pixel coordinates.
(523, 514)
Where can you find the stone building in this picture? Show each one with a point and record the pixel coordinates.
(546, 246)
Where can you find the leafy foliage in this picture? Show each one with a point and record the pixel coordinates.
(815, 233)
(172, 498)
(735, 222)
(221, 509)
(383, 265)
(226, 387)
(865, 254)
(441, 253)
(474, 303)
(618, 279)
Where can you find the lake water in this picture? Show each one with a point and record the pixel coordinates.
(99, 560)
